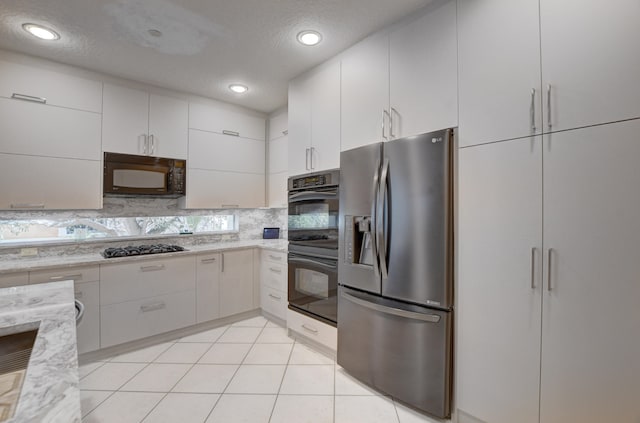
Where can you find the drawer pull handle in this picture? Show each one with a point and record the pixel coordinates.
(27, 206)
(275, 297)
(274, 270)
(152, 307)
(78, 294)
(29, 98)
(309, 329)
(152, 268)
(230, 206)
(272, 257)
(232, 133)
(77, 276)
(207, 261)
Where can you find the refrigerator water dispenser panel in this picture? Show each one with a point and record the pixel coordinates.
(358, 240)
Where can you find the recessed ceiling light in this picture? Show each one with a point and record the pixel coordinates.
(41, 32)
(309, 38)
(238, 88)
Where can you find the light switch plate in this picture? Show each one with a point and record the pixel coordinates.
(28, 252)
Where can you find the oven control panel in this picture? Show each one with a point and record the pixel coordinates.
(312, 181)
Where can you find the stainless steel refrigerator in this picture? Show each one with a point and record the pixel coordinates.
(395, 268)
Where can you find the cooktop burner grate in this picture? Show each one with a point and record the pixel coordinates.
(140, 250)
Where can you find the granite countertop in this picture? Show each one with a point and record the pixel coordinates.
(52, 262)
(50, 391)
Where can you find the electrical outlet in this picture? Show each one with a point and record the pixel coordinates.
(28, 252)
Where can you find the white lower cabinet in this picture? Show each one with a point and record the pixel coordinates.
(34, 182)
(273, 302)
(88, 331)
(273, 283)
(236, 282)
(132, 320)
(207, 287)
(313, 329)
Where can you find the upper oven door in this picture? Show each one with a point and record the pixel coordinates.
(130, 178)
(313, 217)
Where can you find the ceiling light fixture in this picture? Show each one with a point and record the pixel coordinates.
(238, 88)
(309, 38)
(41, 32)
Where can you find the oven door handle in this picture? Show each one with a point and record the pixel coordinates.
(314, 262)
(312, 195)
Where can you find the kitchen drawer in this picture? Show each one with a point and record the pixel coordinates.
(88, 331)
(220, 118)
(14, 279)
(60, 132)
(146, 278)
(313, 329)
(146, 317)
(273, 275)
(59, 89)
(274, 256)
(273, 302)
(76, 274)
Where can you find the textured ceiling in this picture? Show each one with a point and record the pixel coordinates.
(206, 44)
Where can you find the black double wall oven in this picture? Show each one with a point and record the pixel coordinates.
(313, 244)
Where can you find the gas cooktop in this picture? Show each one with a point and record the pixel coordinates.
(141, 250)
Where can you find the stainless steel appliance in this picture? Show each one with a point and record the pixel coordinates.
(128, 174)
(396, 268)
(313, 244)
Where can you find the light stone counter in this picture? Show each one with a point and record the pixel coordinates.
(53, 262)
(50, 392)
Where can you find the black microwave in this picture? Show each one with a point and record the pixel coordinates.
(128, 174)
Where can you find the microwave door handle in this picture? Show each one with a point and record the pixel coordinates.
(313, 262)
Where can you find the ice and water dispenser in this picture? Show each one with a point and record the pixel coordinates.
(359, 249)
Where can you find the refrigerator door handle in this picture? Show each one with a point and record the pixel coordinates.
(430, 318)
(374, 220)
(381, 237)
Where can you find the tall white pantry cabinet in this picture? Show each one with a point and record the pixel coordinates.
(548, 261)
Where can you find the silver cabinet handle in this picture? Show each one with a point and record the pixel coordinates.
(385, 113)
(207, 261)
(152, 144)
(532, 110)
(549, 255)
(313, 150)
(230, 206)
(275, 297)
(549, 106)
(306, 158)
(309, 329)
(232, 133)
(285, 132)
(272, 257)
(27, 206)
(274, 270)
(222, 266)
(533, 268)
(430, 318)
(29, 98)
(152, 268)
(77, 276)
(145, 144)
(391, 134)
(152, 307)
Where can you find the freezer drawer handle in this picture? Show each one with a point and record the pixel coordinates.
(431, 318)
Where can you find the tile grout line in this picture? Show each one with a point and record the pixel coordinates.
(286, 368)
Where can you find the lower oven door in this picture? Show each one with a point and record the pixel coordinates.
(313, 283)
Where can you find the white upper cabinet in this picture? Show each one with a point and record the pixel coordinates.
(221, 152)
(423, 84)
(314, 120)
(499, 70)
(590, 59)
(220, 119)
(37, 84)
(278, 125)
(365, 92)
(135, 122)
(278, 160)
(278, 154)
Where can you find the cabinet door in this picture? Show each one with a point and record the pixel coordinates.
(423, 73)
(589, 59)
(236, 282)
(88, 331)
(125, 120)
(220, 118)
(278, 125)
(325, 118)
(365, 92)
(59, 132)
(590, 343)
(499, 281)
(210, 150)
(278, 189)
(278, 154)
(299, 144)
(499, 66)
(218, 189)
(168, 123)
(207, 287)
(33, 182)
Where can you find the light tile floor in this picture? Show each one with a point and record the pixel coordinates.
(250, 372)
